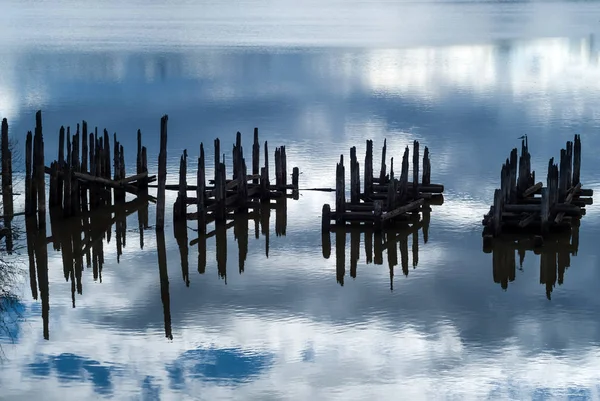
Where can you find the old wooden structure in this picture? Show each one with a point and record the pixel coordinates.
(221, 199)
(523, 205)
(384, 199)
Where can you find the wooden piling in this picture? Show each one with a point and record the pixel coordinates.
(255, 157)
(181, 203)
(340, 191)
(426, 180)
(200, 188)
(382, 174)
(40, 172)
(29, 188)
(576, 160)
(7, 198)
(354, 177)
(415, 182)
(162, 175)
(368, 176)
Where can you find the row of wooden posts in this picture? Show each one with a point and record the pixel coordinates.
(227, 197)
(384, 199)
(521, 204)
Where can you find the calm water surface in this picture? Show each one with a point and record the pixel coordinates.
(421, 320)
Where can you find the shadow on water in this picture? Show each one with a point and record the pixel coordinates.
(375, 243)
(555, 256)
(81, 241)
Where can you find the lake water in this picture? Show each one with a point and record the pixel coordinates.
(428, 320)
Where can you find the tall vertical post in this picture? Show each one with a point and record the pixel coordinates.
(162, 175)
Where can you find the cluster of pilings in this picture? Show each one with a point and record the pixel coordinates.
(384, 200)
(81, 179)
(521, 205)
(555, 256)
(376, 242)
(226, 198)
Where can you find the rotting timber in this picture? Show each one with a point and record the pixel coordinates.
(385, 199)
(523, 206)
(229, 199)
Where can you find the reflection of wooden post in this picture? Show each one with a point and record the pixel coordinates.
(415, 246)
(241, 233)
(378, 248)
(180, 231)
(354, 250)
(162, 175)
(326, 244)
(30, 230)
(164, 281)
(404, 254)
(340, 255)
(221, 242)
(281, 216)
(202, 251)
(369, 245)
(265, 214)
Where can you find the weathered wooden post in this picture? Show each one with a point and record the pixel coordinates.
(403, 184)
(326, 218)
(278, 179)
(391, 190)
(255, 157)
(340, 256)
(7, 198)
(340, 192)
(68, 177)
(40, 171)
(576, 160)
(29, 191)
(382, 172)
(426, 167)
(283, 169)
(354, 177)
(138, 159)
(368, 190)
(513, 175)
(200, 190)
(181, 203)
(415, 188)
(265, 193)
(162, 175)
